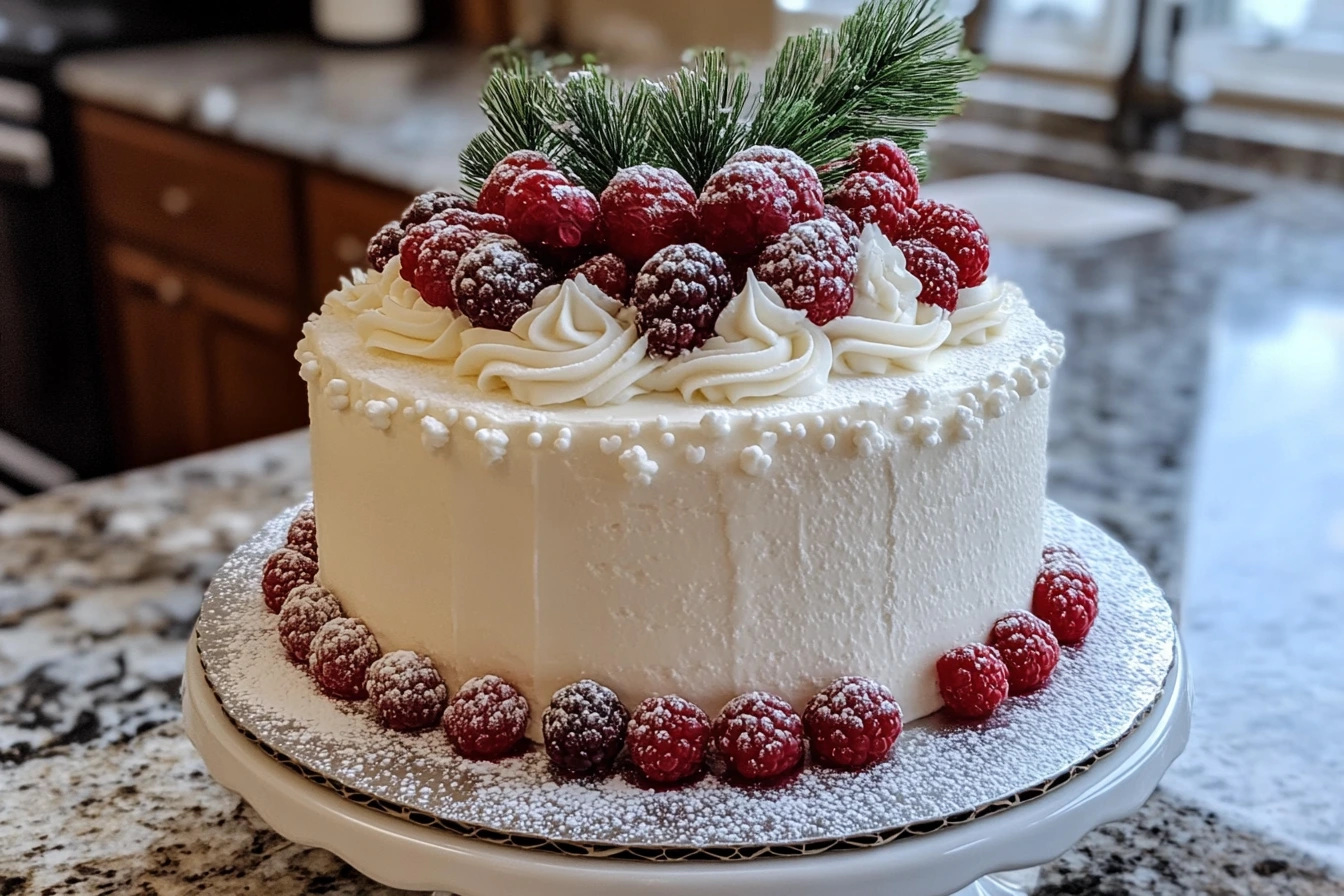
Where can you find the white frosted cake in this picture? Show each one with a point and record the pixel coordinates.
(704, 428)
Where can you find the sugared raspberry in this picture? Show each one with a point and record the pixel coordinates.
(406, 690)
(846, 224)
(411, 244)
(678, 296)
(584, 727)
(1028, 648)
(934, 270)
(882, 156)
(436, 263)
(385, 245)
(1065, 596)
(284, 571)
(872, 198)
(805, 194)
(473, 220)
(502, 176)
(852, 722)
(486, 717)
(646, 208)
(608, 273)
(427, 205)
(308, 608)
(340, 655)
(496, 282)
(973, 680)
(667, 737)
(543, 208)
(742, 206)
(959, 235)
(811, 266)
(302, 535)
(759, 735)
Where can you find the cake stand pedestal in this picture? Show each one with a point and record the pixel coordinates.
(966, 859)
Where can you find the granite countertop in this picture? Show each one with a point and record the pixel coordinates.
(100, 581)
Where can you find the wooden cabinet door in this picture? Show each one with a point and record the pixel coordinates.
(255, 385)
(342, 214)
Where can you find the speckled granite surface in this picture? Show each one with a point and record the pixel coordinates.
(99, 584)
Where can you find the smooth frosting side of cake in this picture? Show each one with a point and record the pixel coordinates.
(666, 545)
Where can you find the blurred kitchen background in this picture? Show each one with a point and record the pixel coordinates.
(1165, 178)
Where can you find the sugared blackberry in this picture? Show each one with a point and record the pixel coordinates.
(584, 727)
(385, 245)
(427, 205)
(678, 296)
(496, 282)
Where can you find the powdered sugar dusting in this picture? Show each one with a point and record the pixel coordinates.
(938, 769)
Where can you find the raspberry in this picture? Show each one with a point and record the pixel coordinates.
(284, 571)
(496, 282)
(502, 176)
(846, 224)
(959, 235)
(852, 722)
(472, 220)
(608, 273)
(1065, 596)
(742, 206)
(584, 727)
(1028, 648)
(667, 737)
(759, 735)
(811, 266)
(678, 296)
(805, 194)
(934, 270)
(385, 245)
(437, 261)
(646, 208)
(543, 208)
(871, 198)
(340, 655)
(486, 717)
(302, 536)
(427, 205)
(406, 690)
(973, 680)
(882, 156)
(308, 608)
(411, 244)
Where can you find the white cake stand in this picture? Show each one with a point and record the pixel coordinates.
(965, 860)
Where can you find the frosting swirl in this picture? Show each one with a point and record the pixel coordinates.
(365, 290)
(888, 328)
(421, 331)
(981, 313)
(569, 347)
(762, 350)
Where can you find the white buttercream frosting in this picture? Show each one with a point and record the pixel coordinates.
(888, 329)
(365, 290)
(981, 313)
(569, 347)
(762, 350)
(420, 331)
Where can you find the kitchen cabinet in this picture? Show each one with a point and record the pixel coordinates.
(211, 257)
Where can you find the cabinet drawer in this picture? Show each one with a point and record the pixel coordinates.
(342, 215)
(226, 208)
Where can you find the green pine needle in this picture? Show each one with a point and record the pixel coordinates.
(892, 70)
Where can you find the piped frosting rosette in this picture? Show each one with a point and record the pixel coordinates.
(981, 313)
(888, 328)
(368, 290)
(419, 330)
(570, 347)
(762, 350)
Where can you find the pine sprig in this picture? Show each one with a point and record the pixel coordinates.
(892, 69)
(604, 128)
(697, 116)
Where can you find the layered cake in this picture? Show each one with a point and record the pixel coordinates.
(722, 433)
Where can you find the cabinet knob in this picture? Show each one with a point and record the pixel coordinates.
(170, 290)
(350, 249)
(175, 201)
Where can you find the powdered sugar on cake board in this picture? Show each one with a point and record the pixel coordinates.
(940, 771)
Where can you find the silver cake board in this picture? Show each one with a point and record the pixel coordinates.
(943, 775)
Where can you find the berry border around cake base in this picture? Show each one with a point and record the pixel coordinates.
(942, 773)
